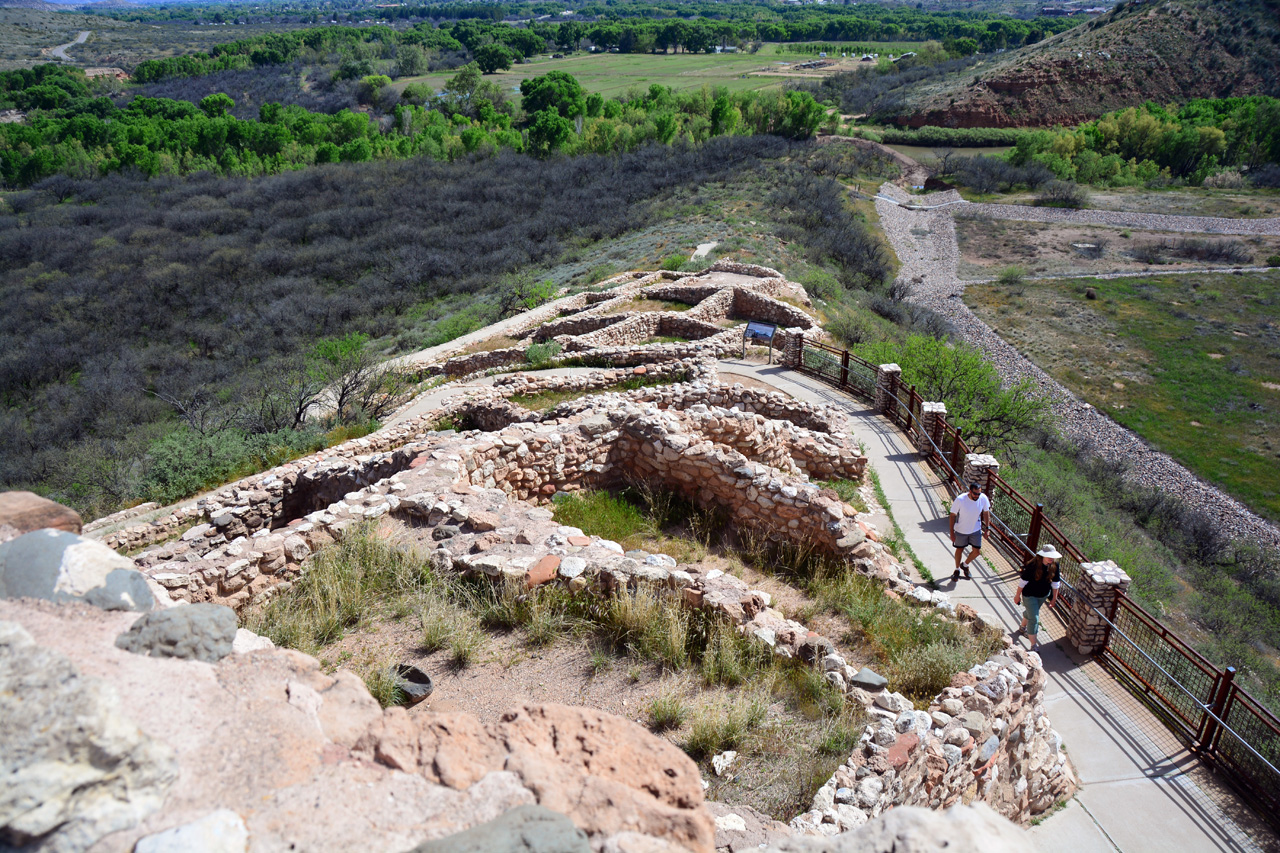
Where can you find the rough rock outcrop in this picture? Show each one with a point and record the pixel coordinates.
(200, 632)
(22, 512)
(59, 566)
(524, 829)
(73, 766)
(269, 737)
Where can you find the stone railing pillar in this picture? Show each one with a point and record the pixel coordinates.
(930, 413)
(977, 467)
(790, 347)
(1095, 594)
(888, 378)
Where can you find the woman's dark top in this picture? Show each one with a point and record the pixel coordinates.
(1039, 577)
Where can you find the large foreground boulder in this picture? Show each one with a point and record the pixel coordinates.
(269, 751)
(73, 766)
(55, 565)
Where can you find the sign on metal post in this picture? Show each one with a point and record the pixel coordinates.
(762, 332)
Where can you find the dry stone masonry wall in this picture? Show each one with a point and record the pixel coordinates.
(985, 738)
(749, 453)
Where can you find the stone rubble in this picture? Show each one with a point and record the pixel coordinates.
(985, 738)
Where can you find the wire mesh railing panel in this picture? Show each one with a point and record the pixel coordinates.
(1170, 677)
(862, 379)
(1014, 513)
(822, 364)
(1251, 725)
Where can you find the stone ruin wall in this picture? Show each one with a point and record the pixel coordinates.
(985, 738)
(691, 440)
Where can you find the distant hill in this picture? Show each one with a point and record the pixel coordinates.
(1168, 52)
(32, 4)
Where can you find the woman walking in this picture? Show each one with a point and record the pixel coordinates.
(1039, 580)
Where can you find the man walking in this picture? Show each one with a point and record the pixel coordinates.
(970, 518)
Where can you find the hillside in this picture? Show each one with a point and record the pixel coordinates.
(1141, 51)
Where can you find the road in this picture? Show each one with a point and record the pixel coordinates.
(61, 50)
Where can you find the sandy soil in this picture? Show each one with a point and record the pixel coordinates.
(988, 245)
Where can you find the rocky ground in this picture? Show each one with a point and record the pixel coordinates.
(925, 242)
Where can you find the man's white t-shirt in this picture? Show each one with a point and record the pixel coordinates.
(968, 512)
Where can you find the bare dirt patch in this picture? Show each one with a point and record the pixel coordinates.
(988, 245)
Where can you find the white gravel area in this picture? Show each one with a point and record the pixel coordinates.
(1124, 219)
(925, 241)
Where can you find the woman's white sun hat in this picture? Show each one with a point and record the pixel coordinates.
(1048, 552)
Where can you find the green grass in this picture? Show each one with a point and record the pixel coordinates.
(603, 514)
(915, 648)
(1184, 361)
(897, 543)
(545, 400)
(613, 74)
(848, 492)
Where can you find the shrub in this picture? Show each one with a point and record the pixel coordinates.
(1218, 251)
(1273, 260)
(1062, 194)
(713, 730)
(921, 672)
(667, 712)
(1011, 276)
(674, 262)
(539, 355)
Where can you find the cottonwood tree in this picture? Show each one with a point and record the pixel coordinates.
(992, 417)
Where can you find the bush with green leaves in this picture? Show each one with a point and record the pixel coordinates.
(992, 416)
(540, 355)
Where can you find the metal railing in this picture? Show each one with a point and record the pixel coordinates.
(1198, 701)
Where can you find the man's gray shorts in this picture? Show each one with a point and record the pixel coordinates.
(974, 540)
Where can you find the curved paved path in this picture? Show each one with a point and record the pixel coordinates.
(921, 230)
(1142, 791)
(61, 50)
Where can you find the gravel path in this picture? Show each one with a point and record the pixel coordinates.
(925, 241)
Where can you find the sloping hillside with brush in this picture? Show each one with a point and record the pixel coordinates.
(1165, 52)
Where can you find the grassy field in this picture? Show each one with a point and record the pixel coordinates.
(1189, 362)
(612, 74)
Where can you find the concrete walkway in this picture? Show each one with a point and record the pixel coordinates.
(1141, 791)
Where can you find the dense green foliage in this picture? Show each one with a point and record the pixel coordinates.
(952, 137)
(72, 133)
(352, 44)
(645, 27)
(992, 416)
(1151, 143)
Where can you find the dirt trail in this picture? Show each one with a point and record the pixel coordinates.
(913, 174)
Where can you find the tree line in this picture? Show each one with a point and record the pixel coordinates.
(68, 131)
(356, 46)
(1152, 143)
